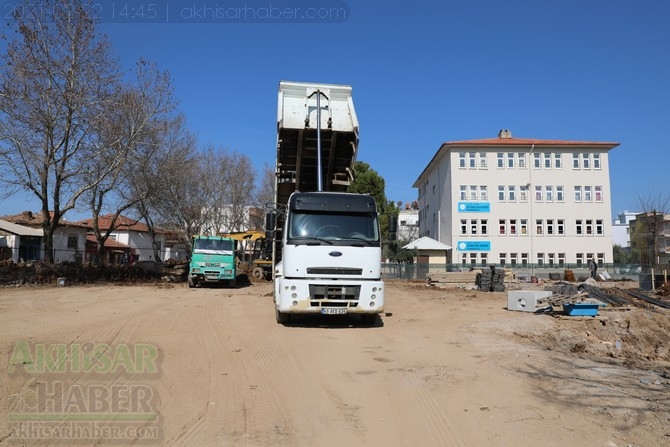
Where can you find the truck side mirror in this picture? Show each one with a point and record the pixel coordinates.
(393, 227)
(270, 222)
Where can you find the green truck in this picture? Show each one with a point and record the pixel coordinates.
(212, 261)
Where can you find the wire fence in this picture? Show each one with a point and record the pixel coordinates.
(419, 272)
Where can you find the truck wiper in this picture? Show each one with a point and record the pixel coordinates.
(311, 240)
(358, 238)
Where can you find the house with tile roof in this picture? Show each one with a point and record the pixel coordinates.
(132, 238)
(24, 238)
(519, 202)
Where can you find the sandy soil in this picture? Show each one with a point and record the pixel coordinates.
(443, 367)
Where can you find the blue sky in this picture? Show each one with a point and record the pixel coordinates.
(423, 73)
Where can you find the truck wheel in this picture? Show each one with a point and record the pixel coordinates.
(191, 284)
(258, 273)
(282, 318)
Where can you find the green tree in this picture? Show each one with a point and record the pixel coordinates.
(368, 181)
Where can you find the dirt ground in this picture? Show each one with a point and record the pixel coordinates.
(167, 365)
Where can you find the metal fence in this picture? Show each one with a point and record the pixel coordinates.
(419, 272)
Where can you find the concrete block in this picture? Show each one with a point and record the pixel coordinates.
(526, 300)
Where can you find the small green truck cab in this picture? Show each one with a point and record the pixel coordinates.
(212, 261)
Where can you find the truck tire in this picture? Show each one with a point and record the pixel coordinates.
(257, 273)
(191, 284)
(282, 318)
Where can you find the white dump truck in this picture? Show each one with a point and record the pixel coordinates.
(327, 244)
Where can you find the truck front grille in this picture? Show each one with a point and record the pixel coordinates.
(334, 292)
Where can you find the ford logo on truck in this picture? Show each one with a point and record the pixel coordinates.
(335, 253)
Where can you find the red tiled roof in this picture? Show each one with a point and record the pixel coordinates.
(30, 219)
(122, 223)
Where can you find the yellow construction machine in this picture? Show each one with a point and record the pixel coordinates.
(252, 257)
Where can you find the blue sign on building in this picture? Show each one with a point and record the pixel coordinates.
(474, 207)
(474, 245)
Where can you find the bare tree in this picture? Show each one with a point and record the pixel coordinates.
(145, 112)
(171, 177)
(266, 190)
(242, 182)
(56, 82)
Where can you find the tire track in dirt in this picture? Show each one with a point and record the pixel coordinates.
(241, 408)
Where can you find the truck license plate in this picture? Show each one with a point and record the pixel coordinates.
(334, 310)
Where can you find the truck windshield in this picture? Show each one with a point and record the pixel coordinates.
(345, 227)
(213, 246)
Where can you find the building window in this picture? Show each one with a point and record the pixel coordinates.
(510, 160)
(561, 259)
(557, 161)
(464, 226)
(522, 159)
(72, 242)
(472, 158)
(523, 225)
(501, 193)
(547, 161)
(536, 161)
(501, 160)
(599, 193)
(580, 259)
(578, 227)
(503, 259)
(523, 193)
(484, 259)
(599, 227)
(578, 193)
(589, 226)
(575, 161)
(513, 259)
(473, 193)
(485, 226)
(549, 193)
(539, 226)
(550, 227)
(586, 161)
(540, 259)
(596, 161)
(434, 189)
(512, 226)
(482, 160)
(524, 259)
(559, 193)
(464, 259)
(473, 226)
(502, 225)
(483, 193)
(511, 193)
(461, 159)
(463, 192)
(587, 194)
(560, 226)
(551, 258)
(600, 259)
(538, 193)
(473, 259)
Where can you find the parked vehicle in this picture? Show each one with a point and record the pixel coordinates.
(326, 242)
(212, 261)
